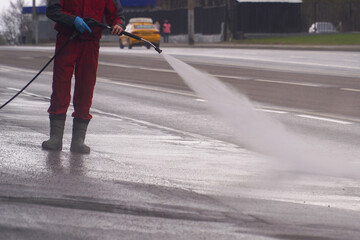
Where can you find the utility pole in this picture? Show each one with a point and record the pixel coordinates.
(191, 22)
(34, 24)
(229, 20)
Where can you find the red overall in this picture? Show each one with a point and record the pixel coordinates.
(83, 57)
(80, 55)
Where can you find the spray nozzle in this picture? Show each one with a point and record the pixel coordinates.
(158, 50)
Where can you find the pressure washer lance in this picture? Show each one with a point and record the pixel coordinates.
(140, 39)
(92, 23)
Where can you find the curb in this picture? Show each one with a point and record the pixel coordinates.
(268, 46)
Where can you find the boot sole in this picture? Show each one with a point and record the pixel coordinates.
(51, 149)
(57, 147)
(79, 151)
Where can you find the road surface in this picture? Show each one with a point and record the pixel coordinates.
(163, 166)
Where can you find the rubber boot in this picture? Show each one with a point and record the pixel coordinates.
(78, 136)
(57, 124)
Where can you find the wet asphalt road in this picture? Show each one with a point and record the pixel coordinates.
(163, 167)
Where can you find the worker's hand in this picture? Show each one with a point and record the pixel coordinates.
(116, 30)
(80, 25)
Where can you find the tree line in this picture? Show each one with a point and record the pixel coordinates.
(14, 25)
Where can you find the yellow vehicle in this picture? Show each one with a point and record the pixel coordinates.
(144, 28)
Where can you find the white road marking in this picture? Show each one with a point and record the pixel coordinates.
(28, 93)
(324, 119)
(163, 70)
(145, 87)
(136, 67)
(297, 57)
(218, 76)
(232, 77)
(3, 69)
(289, 83)
(350, 89)
(116, 65)
(15, 69)
(142, 122)
(26, 58)
(189, 95)
(263, 59)
(162, 127)
(351, 61)
(6, 68)
(270, 111)
(157, 70)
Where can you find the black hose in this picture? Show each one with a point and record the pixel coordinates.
(47, 64)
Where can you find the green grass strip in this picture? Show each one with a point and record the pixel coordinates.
(311, 39)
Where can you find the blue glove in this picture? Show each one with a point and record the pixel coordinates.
(80, 25)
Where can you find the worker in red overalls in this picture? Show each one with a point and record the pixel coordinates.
(79, 56)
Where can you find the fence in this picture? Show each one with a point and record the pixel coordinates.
(267, 17)
(177, 18)
(208, 21)
(344, 14)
